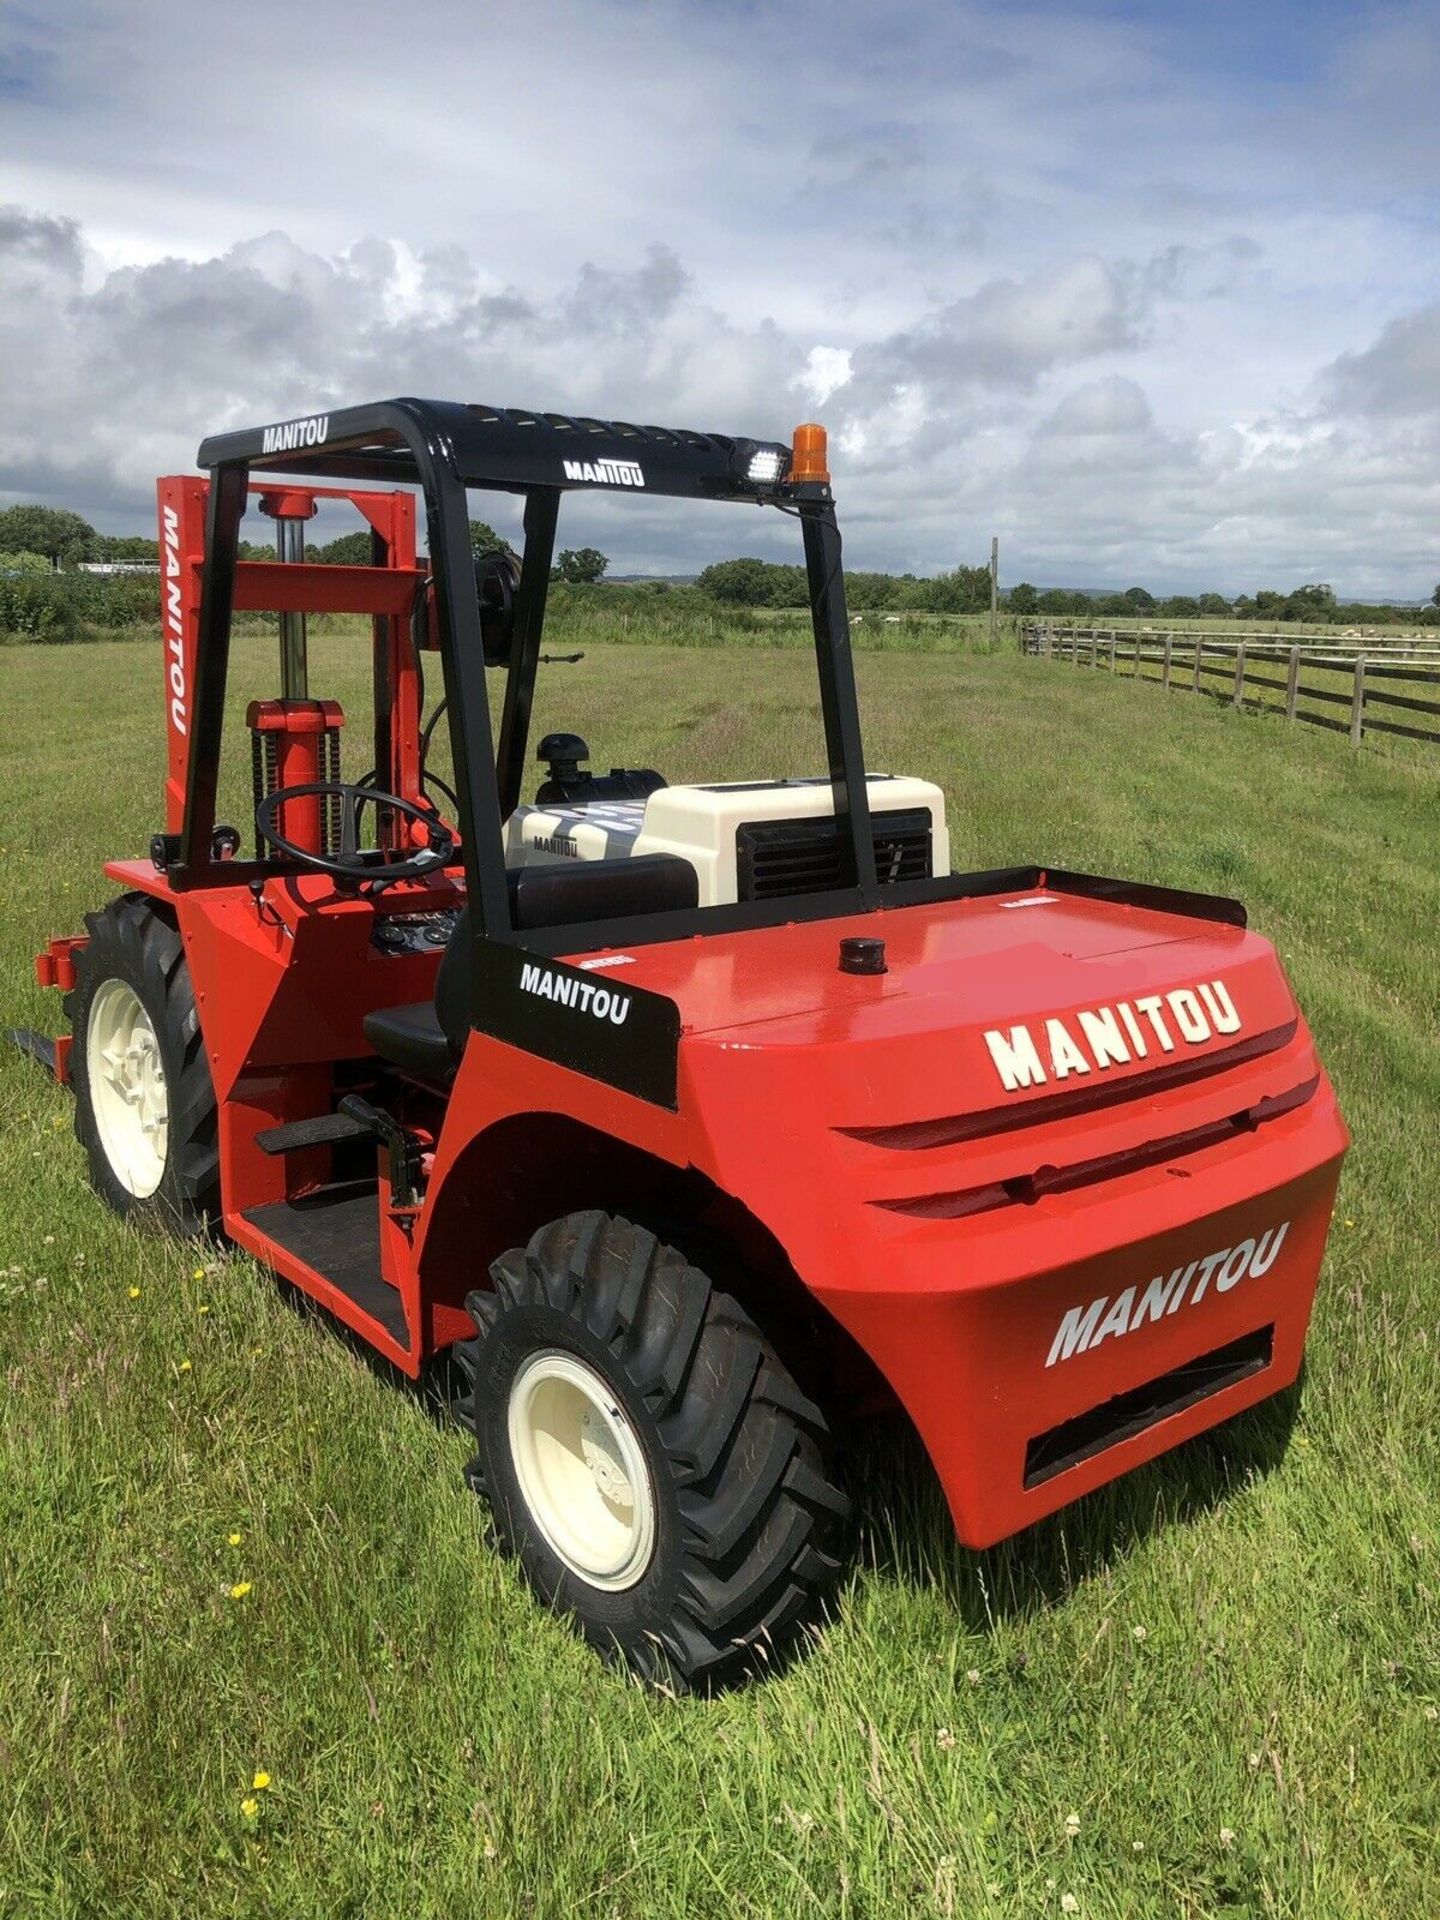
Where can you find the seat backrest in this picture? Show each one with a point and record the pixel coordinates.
(452, 985)
(564, 894)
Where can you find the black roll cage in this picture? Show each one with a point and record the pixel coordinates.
(446, 447)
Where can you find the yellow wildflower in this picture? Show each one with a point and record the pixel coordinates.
(184, 1366)
(134, 1292)
(261, 1781)
(249, 1806)
(233, 1539)
(199, 1274)
(240, 1589)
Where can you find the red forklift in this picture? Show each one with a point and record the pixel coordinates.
(692, 1121)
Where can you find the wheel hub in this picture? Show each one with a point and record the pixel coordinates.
(602, 1457)
(581, 1470)
(128, 1092)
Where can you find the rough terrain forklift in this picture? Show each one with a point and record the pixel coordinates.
(691, 1119)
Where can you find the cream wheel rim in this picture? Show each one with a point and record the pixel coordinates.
(581, 1471)
(128, 1095)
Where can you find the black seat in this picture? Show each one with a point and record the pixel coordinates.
(412, 1038)
(427, 1038)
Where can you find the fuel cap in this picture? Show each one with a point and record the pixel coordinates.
(861, 955)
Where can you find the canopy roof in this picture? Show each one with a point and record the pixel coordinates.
(406, 440)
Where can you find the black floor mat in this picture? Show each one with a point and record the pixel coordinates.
(336, 1230)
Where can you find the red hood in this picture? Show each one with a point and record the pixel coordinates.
(987, 1005)
(839, 1103)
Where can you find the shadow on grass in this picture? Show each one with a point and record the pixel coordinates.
(440, 1382)
(906, 1530)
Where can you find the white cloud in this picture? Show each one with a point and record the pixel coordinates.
(1399, 376)
(1109, 406)
(826, 370)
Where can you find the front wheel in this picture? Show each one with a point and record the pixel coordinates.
(648, 1459)
(144, 1103)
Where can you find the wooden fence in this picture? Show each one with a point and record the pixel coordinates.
(1377, 683)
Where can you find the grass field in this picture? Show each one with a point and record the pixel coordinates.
(230, 1548)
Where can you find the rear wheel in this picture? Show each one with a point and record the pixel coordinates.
(144, 1104)
(648, 1459)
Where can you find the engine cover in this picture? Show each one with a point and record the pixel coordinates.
(707, 825)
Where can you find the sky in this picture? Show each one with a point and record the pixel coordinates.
(1151, 292)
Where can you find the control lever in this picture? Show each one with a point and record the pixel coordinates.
(400, 1146)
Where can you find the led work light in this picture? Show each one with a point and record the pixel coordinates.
(759, 464)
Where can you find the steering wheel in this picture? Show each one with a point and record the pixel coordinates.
(378, 865)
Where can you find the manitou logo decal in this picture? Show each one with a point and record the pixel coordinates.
(1100, 1037)
(1085, 1328)
(174, 621)
(296, 433)
(558, 843)
(604, 1003)
(606, 473)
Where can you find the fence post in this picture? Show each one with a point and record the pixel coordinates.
(1292, 684)
(1113, 638)
(1094, 646)
(1239, 674)
(1165, 667)
(1357, 703)
(1199, 645)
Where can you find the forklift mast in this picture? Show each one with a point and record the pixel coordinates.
(294, 739)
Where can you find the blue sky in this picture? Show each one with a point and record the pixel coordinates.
(1152, 292)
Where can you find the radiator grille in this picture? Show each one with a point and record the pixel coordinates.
(780, 857)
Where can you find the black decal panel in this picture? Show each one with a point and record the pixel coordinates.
(625, 1036)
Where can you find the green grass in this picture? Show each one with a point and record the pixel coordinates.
(1244, 1637)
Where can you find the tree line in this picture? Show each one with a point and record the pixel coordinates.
(1312, 605)
(32, 535)
(770, 583)
(767, 583)
(36, 539)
